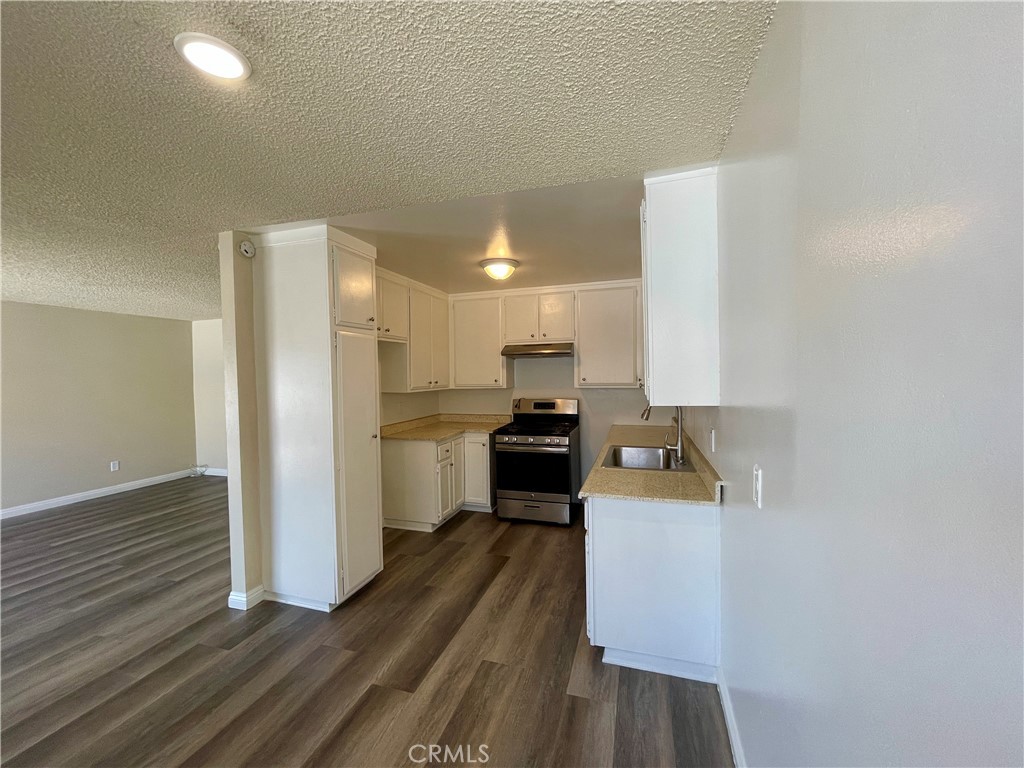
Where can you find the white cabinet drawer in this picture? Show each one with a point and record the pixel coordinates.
(444, 451)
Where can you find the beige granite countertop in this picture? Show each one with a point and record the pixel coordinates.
(442, 427)
(701, 487)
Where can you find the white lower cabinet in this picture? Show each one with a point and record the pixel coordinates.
(478, 471)
(458, 473)
(425, 483)
(653, 585)
(443, 507)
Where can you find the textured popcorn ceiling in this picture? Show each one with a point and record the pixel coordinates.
(120, 163)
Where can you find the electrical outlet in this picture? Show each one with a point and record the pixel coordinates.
(115, 465)
(712, 440)
(758, 486)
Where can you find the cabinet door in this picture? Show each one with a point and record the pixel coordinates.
(361, 553)
(458, 474)
(606, 338)
(556, 312)
(440, 357)
(393, 315)
(521, 319)
(443, 490)
(680, 273)
(477, 475)
(421, 372)
(476, 327)
(354, 302)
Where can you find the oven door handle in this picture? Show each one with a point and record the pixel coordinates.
(533, 448)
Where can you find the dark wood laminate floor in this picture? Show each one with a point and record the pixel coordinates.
(118, 650)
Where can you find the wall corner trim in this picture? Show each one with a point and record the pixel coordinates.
(73, 498)
(739, 759)
(243, 601)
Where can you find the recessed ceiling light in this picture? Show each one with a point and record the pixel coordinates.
(212, 56)
(499, 269)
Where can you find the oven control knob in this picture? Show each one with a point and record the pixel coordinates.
(547, 440)
(514, 439)
(529, 439)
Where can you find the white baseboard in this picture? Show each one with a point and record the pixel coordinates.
(243, 601)
(301, 602)
(675, 667)
(478, 508)
(739, 759)
(216, 472)
(409, 525)
(73, 498)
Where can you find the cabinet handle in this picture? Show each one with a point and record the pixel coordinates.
(387, 330)
(531, 335)
(584, 378)
(544, 335)
(378, 327)
(370, 319)
(374, 436)
(495, 381)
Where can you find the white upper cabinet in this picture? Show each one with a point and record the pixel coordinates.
(521, 319)
(556, 316)
(440, 359)
(476, 353)
(354, 301)
(606, 337)
(539, 317)
(392, 309)
(421, 367)
(428, 354)
(680, 282)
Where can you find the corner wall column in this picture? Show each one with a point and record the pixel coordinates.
(236, 290)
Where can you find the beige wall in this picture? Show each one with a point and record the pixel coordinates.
(208, 393)
(871, 332)
(599, 408)
(414, 405)
(81, 389)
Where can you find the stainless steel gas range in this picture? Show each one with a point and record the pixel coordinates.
(537, 460)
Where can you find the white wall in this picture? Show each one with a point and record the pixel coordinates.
(208, 393)
(871, 306)
(599, 408)
(82, 389)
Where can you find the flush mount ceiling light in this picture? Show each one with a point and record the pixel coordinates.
(499, 269)
(212, 56)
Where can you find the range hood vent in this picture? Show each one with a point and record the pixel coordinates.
(563, 349)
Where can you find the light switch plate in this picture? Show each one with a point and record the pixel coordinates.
(115, 465)
(712, 440)
(758, 486)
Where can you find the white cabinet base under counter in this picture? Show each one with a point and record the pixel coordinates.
(652, 585)
(652, 558)
(431, 468)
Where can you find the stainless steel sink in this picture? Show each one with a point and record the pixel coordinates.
(637, 457)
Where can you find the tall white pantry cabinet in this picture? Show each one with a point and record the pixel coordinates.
(318, 413)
